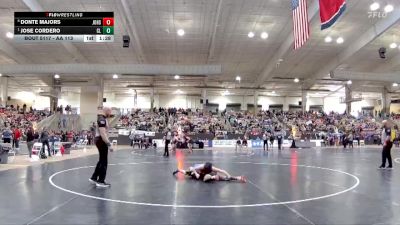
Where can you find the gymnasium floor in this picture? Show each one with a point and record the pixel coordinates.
(306, 186)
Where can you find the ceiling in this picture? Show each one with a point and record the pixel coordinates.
(215, 33)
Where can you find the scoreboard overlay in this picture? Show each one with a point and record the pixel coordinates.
(64, 26)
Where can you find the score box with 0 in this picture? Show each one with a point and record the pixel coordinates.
(105, 30)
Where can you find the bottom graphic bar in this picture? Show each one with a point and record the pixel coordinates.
(64, 38)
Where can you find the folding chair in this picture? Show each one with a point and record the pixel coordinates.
(10, 152)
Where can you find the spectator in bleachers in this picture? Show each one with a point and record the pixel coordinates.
(7, 135)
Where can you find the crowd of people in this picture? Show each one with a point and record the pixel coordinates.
(18, 124)
(179, 126)
(195, 122)
(20, 117)
(308, 125)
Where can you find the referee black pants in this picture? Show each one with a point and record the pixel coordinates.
(100, 172)
(166, 151)
(386, 154)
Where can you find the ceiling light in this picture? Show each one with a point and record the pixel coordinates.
(1, 75)
(296, 80)
(395, 84)
(389, 8)
(115, 76)
(393, 45)
(180, 32)
(273, 92)
(264, 35)
(9, 35)
(178, 92)
(250, 34)
(176, 77)
(374, 6)
(349, 82)
(340, 40)
(328, 39)
(56, 76)
(226, 92)
(238, 78)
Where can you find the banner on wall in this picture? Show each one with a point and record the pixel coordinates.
(257, 143)
(223, 143)
(260, 143)
(124, 132)
(207, 143)
(113, 133)
(146, 133)
(127, 132)
(159, 142)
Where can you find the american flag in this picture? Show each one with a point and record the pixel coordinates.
(301, 29)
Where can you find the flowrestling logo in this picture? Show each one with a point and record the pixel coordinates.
(377, 14)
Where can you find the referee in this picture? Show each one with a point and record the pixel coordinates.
(103, 145)
(387, 142)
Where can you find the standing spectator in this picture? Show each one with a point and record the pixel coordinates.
(64, 120)
(167, 139)
(238, 144)
(52, 140)
(36, 136)
(350, 140)
(63, 136)
(90, 138)
(387, 145)
(92, 133)
(70, 136)
(358, 135)
(30, 139)
(344, 140)
(279, 136)
(272, 139)
(265, 139)
(7, 135)
(44, 138)
(396, 140)
(16, 138)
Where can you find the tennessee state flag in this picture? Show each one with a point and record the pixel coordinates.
(330, 11)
